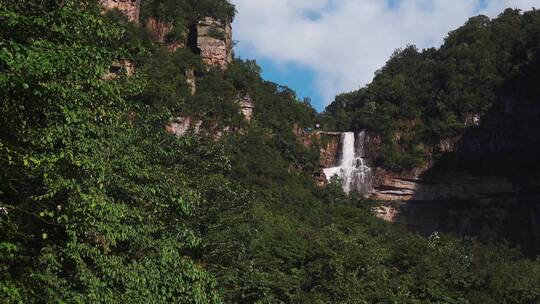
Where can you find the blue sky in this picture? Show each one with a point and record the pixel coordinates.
(299, 78)
(321, 48)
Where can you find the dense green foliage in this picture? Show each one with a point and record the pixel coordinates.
(94, 191)
(184, 13)
(421, 97)
(188, 10)
(98, 204)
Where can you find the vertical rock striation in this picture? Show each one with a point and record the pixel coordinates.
(214, 41)
(160, 29)
(328, 152)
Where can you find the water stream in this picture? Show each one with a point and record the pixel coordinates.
(353, 171)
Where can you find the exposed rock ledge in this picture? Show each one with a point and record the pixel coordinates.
(390, 187)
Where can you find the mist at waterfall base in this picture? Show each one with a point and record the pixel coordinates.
(353, 172)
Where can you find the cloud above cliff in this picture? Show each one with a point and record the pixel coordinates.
(343, 42)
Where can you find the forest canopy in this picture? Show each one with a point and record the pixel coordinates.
(98, 204)
(421, 97)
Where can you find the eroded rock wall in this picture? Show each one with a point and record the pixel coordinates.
(160, 29)
(329, 150)
(484, 183)
(214, 41)
(451, 186)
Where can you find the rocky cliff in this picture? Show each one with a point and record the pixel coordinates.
(495, 156)
(180, 125)
(214, 42)
(447, 198)
(209, 37)
(460, 186)
(328, 144)
(329, 148)
(160, 29)
(483, 183)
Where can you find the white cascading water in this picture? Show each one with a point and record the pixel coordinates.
(353, 171)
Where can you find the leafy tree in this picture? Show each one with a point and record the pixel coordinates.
(98, 204)
(94, 195)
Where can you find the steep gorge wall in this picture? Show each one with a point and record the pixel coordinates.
(484, 183)
(495, 156)
(160, 29)
(209, 38)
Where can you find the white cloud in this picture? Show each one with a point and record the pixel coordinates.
(346, 41)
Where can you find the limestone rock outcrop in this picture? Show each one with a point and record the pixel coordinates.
(180, 126)
(458, 186)
(159, 29)
(130, 8)
(214, 41)
(246, 106)
(328, 153)
(387, 213)
(305, 138)
(328, 144)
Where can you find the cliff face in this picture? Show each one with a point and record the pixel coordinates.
(459, 186)
(160, 29)
(214, 41)
(329, 149)
(246, 105)
(209, 37)
(180, 126)
(495, 156)
(328, 144)
(130, 8)
(485, 183)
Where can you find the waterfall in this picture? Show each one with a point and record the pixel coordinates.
(353, 171)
